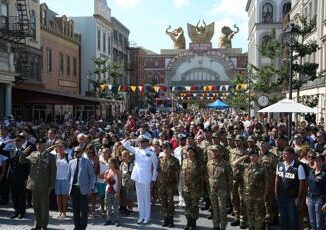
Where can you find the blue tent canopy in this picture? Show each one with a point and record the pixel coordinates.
(218, 104)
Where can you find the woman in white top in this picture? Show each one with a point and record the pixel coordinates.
(103, 166)
(62, 183)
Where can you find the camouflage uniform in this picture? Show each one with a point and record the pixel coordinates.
(220, 183)
(237, 193)
(205, 146)
(254, 180)
(192, 178)
(269, 162)
(278, 153)
(168, 172)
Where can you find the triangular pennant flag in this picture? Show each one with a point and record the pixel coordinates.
(133, 88)
(102, 87)
(163, 88)
(120, 88)
(173, 88)
(141, 88)
(188, 88)
(156, 89)
(227, 87)
(109, 87)
(211, 88)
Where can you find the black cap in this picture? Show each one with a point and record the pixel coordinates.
(3, 127)
(40, 140)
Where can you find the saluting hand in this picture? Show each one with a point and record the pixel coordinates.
(27, 150)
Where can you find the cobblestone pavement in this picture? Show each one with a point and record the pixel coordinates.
(97, 223)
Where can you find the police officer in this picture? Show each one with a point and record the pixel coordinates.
(41, 179)
(220, 183)
(168, 170)
(289, 189)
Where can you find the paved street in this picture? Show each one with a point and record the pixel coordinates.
(97, 223)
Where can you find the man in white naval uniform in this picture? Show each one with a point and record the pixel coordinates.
(143, 173)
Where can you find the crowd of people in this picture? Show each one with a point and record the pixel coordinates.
(230, 163)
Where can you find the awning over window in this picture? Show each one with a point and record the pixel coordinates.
(32, 96)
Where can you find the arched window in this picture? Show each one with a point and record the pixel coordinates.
(267, 13)
(286, 8)
(44, 17)
(265, 40)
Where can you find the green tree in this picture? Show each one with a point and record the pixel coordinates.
(105, 70)
(304, 71)
(239, 98)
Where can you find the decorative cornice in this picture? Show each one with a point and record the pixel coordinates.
(59, 34)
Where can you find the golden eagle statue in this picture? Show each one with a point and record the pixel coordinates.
(201, 34)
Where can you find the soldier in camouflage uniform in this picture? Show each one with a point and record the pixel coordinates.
(255, 189)
(192, 178)
(269, 161)
(204, 145)
(220, 181)
(237, 194)
(281, 143)
(168, 173)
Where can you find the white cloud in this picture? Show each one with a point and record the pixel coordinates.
(233, 8)
(127, 3)
(180, 3)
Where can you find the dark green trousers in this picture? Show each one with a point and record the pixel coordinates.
(41, 208)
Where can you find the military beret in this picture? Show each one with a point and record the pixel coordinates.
(214, 147)
(216, 135)
(239, 138)
(167, 145)
(282, 137)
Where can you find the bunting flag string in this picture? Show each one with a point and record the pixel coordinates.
(163, 88)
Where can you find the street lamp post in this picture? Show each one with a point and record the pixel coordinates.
(290, 36)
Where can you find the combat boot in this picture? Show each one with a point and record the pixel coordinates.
(188, 224)
(171, 222)
(166, 222)
(235, 223)
(243, 225)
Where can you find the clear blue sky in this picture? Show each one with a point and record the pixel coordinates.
(148, 19)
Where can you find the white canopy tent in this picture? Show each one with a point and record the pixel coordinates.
(287, 106)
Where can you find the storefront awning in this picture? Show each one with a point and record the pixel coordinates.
(33, 96)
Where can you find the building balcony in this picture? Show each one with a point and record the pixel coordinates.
(7, 62)
(14, 28)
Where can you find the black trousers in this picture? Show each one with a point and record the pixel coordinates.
(4, 190)
(18, 196)
(80, 208)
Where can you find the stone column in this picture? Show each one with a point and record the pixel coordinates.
(8, 100)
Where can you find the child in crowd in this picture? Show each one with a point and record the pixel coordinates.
(112, 179)
(127, 185)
